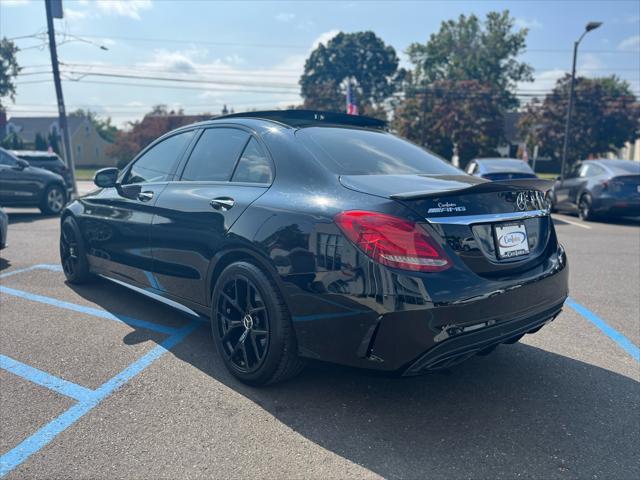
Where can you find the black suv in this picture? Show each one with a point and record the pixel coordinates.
(49, 161)
(22, 185)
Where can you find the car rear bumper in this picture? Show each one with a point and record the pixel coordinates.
(617, 206)
(393, 332)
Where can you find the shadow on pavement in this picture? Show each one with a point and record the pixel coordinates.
(27, 216)
(520, 412)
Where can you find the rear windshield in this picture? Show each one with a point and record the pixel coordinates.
(364, 152)
(510, 165)
(622, 167)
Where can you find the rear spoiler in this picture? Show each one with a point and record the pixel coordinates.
(486, 187)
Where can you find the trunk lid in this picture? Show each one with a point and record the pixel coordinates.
(468, 213)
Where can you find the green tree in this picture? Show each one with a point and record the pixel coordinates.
(606, 114)
(468, 49)
(448, 113)
(12, 142)
(103, 126)
(54, 143)
(464, 79)
(9, 69)
(361, 58)
(40, 143)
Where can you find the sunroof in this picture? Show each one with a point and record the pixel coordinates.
(301, 118)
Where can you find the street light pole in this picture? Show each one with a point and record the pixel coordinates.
(590, 26)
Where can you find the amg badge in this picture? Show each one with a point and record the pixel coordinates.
(447, 208)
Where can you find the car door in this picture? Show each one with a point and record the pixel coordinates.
(18, 186)
(116, 222)
(226, 171)
(563, 188)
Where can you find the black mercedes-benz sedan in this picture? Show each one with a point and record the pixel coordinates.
(310, 235)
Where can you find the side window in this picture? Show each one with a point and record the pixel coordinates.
(215, 154)
(254, 166)
(7, 160)
(157, 163)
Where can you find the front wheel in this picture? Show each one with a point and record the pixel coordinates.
(72, 253)
(53, 200)
(252, 328)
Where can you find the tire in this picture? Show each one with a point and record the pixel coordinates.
(73, 256)
(585, 210)
(252, 327)
(53, 200)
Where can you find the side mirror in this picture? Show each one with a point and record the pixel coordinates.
(106, 177)
(21, 164)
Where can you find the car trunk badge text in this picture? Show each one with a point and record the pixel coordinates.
(447, 208)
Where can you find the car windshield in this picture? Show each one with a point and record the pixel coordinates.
(38, 158)
(505, 165)
(365, 152)
(622, 167)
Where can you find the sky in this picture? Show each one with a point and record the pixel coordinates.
(250, 55)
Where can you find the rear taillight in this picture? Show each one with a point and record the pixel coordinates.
(393, 241)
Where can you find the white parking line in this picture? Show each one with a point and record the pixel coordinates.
(571, 222)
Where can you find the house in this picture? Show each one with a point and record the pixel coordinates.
(88, 146)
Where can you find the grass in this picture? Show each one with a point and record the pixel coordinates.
(85, 173)
(547, 176)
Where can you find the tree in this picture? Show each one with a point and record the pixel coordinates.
(40, 143)
(9, 69)
(448, 113)
(141, 133)
(103, 126)
(463, 81)
(468, 49)
(53, 142)
(361, 58)
(606, 114)
(12, 142)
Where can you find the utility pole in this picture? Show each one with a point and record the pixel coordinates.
(54, 8)
(565, 147)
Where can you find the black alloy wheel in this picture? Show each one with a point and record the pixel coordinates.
(72, 254)
(243, 323)
(252, 327)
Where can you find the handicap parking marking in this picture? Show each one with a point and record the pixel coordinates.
(86, 397)
(622, 341)
(44, 379)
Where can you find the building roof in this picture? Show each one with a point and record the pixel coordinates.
(30, 126)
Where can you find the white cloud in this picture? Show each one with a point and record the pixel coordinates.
(123, 8)
(590, 64)
(543, 82)
(630, 43)
(324, 38)
(285, 17)
(530, 24)
(72, 14)
(14, 3)
(98, 8)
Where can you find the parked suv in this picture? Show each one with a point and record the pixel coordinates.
(22, 185)
(48, 161)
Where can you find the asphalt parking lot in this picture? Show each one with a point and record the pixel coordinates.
(99, 382)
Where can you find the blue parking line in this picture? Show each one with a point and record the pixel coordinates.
(622, 341)
(47, 433)
(44, 379)
(134, 322)
(42, 266)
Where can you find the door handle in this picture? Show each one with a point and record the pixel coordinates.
(222, 203)
(145, 196)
